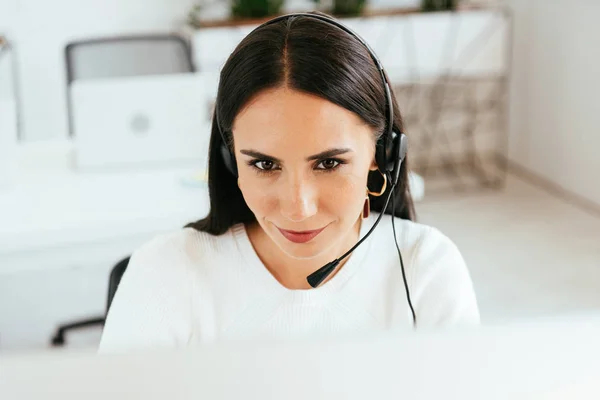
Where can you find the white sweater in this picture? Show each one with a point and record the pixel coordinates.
(190, 287)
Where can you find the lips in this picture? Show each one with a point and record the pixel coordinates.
(300, 236)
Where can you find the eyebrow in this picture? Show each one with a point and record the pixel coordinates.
(323, 155)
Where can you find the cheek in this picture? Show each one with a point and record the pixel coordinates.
(344, 194)
(256, 194)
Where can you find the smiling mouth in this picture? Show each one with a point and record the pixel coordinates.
(300, 236)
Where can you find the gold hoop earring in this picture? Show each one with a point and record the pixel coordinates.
(366, 206)
(382, 191)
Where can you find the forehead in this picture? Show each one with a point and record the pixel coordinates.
(285, 118)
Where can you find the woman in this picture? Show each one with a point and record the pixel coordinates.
(295, 181)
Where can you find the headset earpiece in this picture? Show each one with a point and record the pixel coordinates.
(403, 147)
(391, 152)
(228, 159)
(384, 154)
(401, 144)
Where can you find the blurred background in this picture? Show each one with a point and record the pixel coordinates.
(104, 122)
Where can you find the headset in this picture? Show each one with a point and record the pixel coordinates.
(390, 152)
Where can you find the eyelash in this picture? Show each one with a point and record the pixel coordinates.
(261, 171)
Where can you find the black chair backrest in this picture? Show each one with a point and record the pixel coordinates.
(115, 277)
(124, 56)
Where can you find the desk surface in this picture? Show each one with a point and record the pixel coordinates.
(50, 205)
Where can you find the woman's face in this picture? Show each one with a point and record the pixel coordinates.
(303, 164)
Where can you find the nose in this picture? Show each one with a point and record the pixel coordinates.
(298, 199)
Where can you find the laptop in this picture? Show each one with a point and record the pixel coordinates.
(137, 121)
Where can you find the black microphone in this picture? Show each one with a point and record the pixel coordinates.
(317, 277)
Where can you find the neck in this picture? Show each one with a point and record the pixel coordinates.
(292, 272)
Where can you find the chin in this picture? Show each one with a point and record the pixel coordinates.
(305, 251)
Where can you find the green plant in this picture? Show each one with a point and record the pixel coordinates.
(439, 5)
(348, 7)
(255, 8)
(345, 7)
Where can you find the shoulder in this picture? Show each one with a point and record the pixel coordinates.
(436, 254)
(414, 237)
(174, 256)
(430, 242)
(186, 244)
(425, 249)
(442, 283)
(439, 280)
(153, 303)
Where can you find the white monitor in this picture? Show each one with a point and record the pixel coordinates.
(554, 360)
(140, 120)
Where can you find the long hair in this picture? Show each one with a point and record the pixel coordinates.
(313, 57)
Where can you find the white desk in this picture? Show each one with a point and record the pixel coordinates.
(50, 207)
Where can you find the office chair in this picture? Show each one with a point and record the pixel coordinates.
(113, 283)
(125, 56)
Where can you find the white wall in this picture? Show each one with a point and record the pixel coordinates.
(555, 112)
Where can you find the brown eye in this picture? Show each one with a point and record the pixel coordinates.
(265, 165)
(329, 163)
